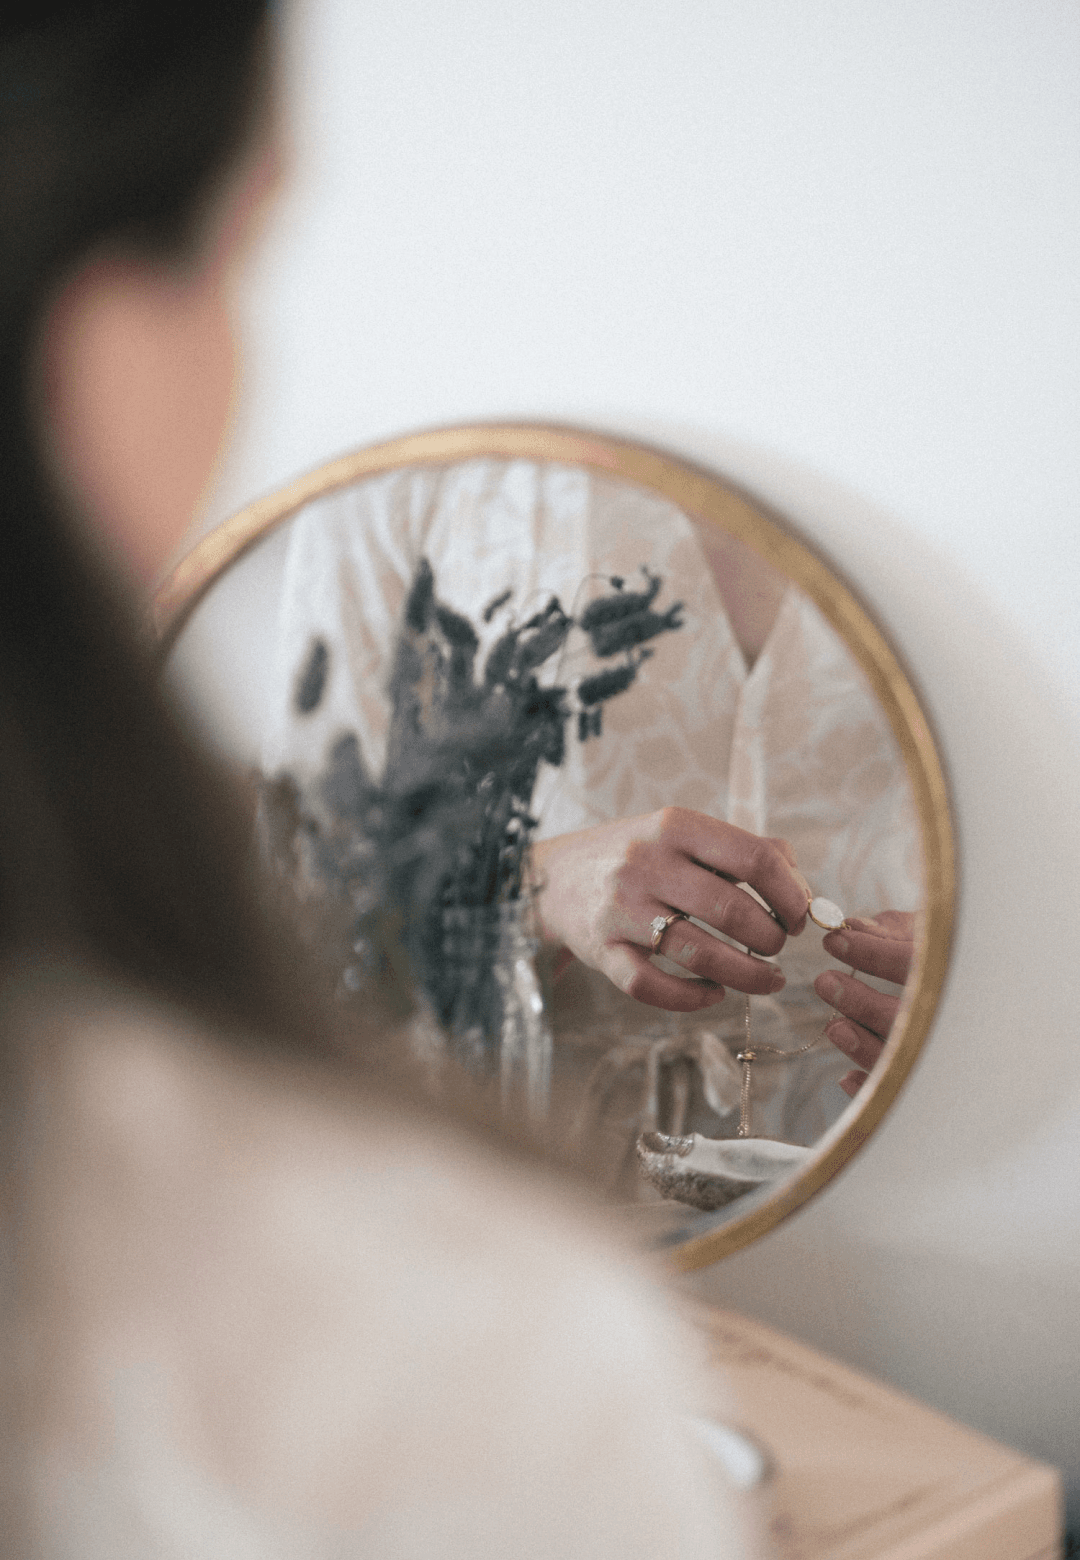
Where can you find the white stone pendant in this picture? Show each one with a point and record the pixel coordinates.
(825, 914)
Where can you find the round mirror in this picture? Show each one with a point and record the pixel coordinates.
(555, 696)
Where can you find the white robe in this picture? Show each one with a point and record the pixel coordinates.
(261, 1320)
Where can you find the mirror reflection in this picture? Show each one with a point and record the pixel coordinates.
(597, 757)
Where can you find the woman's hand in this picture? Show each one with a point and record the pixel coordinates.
(885, 947)
(601, 888)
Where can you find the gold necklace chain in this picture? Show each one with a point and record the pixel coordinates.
(748, 1056)
(750, 1052)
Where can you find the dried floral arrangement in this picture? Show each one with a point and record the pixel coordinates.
(439, 844)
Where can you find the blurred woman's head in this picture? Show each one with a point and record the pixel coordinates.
(126, 136)
(136, 361)
(129, 164)
(119, 120)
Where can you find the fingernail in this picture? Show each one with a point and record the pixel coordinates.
(799, 877)
(779, 981)
(857, 924)
(838, 944)
(827, 986)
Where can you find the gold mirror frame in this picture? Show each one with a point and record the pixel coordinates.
(705, 497)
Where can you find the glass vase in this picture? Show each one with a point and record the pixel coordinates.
(498, 1024)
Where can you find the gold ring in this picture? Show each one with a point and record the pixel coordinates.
(659, 925)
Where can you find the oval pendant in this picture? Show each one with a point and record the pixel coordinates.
(825, 914)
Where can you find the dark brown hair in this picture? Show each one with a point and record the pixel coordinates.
(119, 843)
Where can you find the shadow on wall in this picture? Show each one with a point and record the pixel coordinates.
(946, 1258)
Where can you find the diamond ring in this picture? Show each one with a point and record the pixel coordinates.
(659, 925)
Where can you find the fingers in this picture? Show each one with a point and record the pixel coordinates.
(895, 923)
(874, 1010)
(856, 1042)
(705, 956)
(883, 947)
(765, 864)
(874, 947)
(716, 966)
(631, 969)
(676, 880)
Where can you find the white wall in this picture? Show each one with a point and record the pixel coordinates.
(833, 251)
